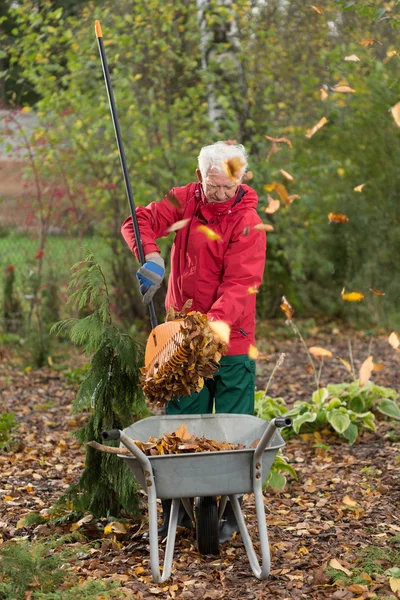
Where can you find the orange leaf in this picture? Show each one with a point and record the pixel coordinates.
(182, 433)
(253, 290)
(320, 352)
(263, 227)
(279, 140)
(343, 89)
(352, 296)
(394, 340)
(286, 175)
(378, 367)
(280, 190)
(221, 330)
(209, 233)
(293, 198)
(346, 364)
(273, 205)
(233, 167)
(287, 308)
(324, 94)
(366, 370)
(253, 352)
(338, 218)
(359, 188)
(316, 9)
(369, 41)
(377, 292)
(313, 130)
(178, 225)
(395, 110)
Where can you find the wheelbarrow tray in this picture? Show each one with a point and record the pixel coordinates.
(220, 473)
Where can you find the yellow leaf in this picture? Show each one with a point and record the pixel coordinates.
(8, 498)
(395, 110)
(209, 233)
(287, 308)
(263, 227)
(346, 364)
(319, 11)
(352, 58)
(359, 188)
(352, 296)
(286, 175)
(337, 218)
(335, 564)
(25, 110)
(366, 370)
(252, 290)
(107, 529)
(394, 340)
(253, 352)
(349, 501)
(343, 89)
(273, 205)
(313, 130)
(324, 94)
(139, 570)
(394, 583)
(221, 330)
(320, 352)
(178, 225)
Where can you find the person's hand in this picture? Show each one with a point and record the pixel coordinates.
(150, 277)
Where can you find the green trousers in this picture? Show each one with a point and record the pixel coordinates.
(230, 390)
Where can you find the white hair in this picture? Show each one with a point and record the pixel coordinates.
(213, 157)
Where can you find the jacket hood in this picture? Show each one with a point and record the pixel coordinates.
(245, 198)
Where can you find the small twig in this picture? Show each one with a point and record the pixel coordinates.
(319, 371)
(279, 362)
(109, 449)
(353, 371)
(297, 332)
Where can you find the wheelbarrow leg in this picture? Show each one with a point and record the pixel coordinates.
(153, 537)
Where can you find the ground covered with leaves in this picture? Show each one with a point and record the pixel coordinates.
(334, 532)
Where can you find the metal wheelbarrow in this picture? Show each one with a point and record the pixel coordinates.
(204, 475)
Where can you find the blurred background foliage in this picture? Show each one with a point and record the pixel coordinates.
(186, 73)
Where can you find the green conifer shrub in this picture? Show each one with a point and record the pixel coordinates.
(110, 392)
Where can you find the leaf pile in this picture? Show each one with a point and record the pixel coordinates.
(196, 359)
(182, 442)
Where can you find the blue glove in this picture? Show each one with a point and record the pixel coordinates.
(150, 277)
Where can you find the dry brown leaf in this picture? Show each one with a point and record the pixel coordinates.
(273, 205)
(252, 290)
(248, 176)
(352, 58)
(233, 167)
(338, 218)
(395, 110)
(221, 329)
(349, 501)
(293, 198)
(209, 233)
(320, 352)
(359, 188)
(286, 175)
(352, 296)
(263, 227)
(343, 89)
(280, 190)
(378, 367)
(287, 308)
(319, 11)
(178, 225)
(324, 94)
(319, 125)
(394, 583)
(366, 370)
(280, 140)
(335, 564)
(377, 292)
(394, 340)
(369, 42)
(182, 432)
(357, 588)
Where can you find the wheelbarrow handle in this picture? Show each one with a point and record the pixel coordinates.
(268, 434)
(112, 434)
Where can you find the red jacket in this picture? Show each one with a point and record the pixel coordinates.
(215, 274)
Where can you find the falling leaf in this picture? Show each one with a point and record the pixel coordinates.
(320, 352)
(391, 53)
(396, 113)
(248, 176)
(246, 231)
(293, 198)
(366, 370)
(369, 42)
(343, 89)
(316, 9)
(377, 292)
(280, 140)
(253, 290)
(253, 352)
(287, 308)
(173, 200)
(346, 364)
(378, 367)
(286, 175)
(394, 340)
(349, 501)
(359, 188)
(273, 205)
(335, 564)
(313, 130)
(280, 190)
(324, 94)
(209, 233)
(221, 329)
(264, 227)
(338, 218)
(233, 167)
(178, 225)
(352, 58)
(352, 296)
(25, 110)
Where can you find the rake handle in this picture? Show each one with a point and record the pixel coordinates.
(113, 109)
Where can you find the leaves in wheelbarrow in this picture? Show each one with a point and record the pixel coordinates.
(183, 442)
(187, 365)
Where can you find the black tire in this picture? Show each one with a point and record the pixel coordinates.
(207, 526)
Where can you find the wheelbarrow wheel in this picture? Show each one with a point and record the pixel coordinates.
(207, 533)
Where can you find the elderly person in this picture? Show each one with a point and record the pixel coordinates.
(220, 272)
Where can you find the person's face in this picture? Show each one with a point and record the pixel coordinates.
(217, 186)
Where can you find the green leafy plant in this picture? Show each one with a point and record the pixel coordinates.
(7, 426)
(369, 397)
(276, 477)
